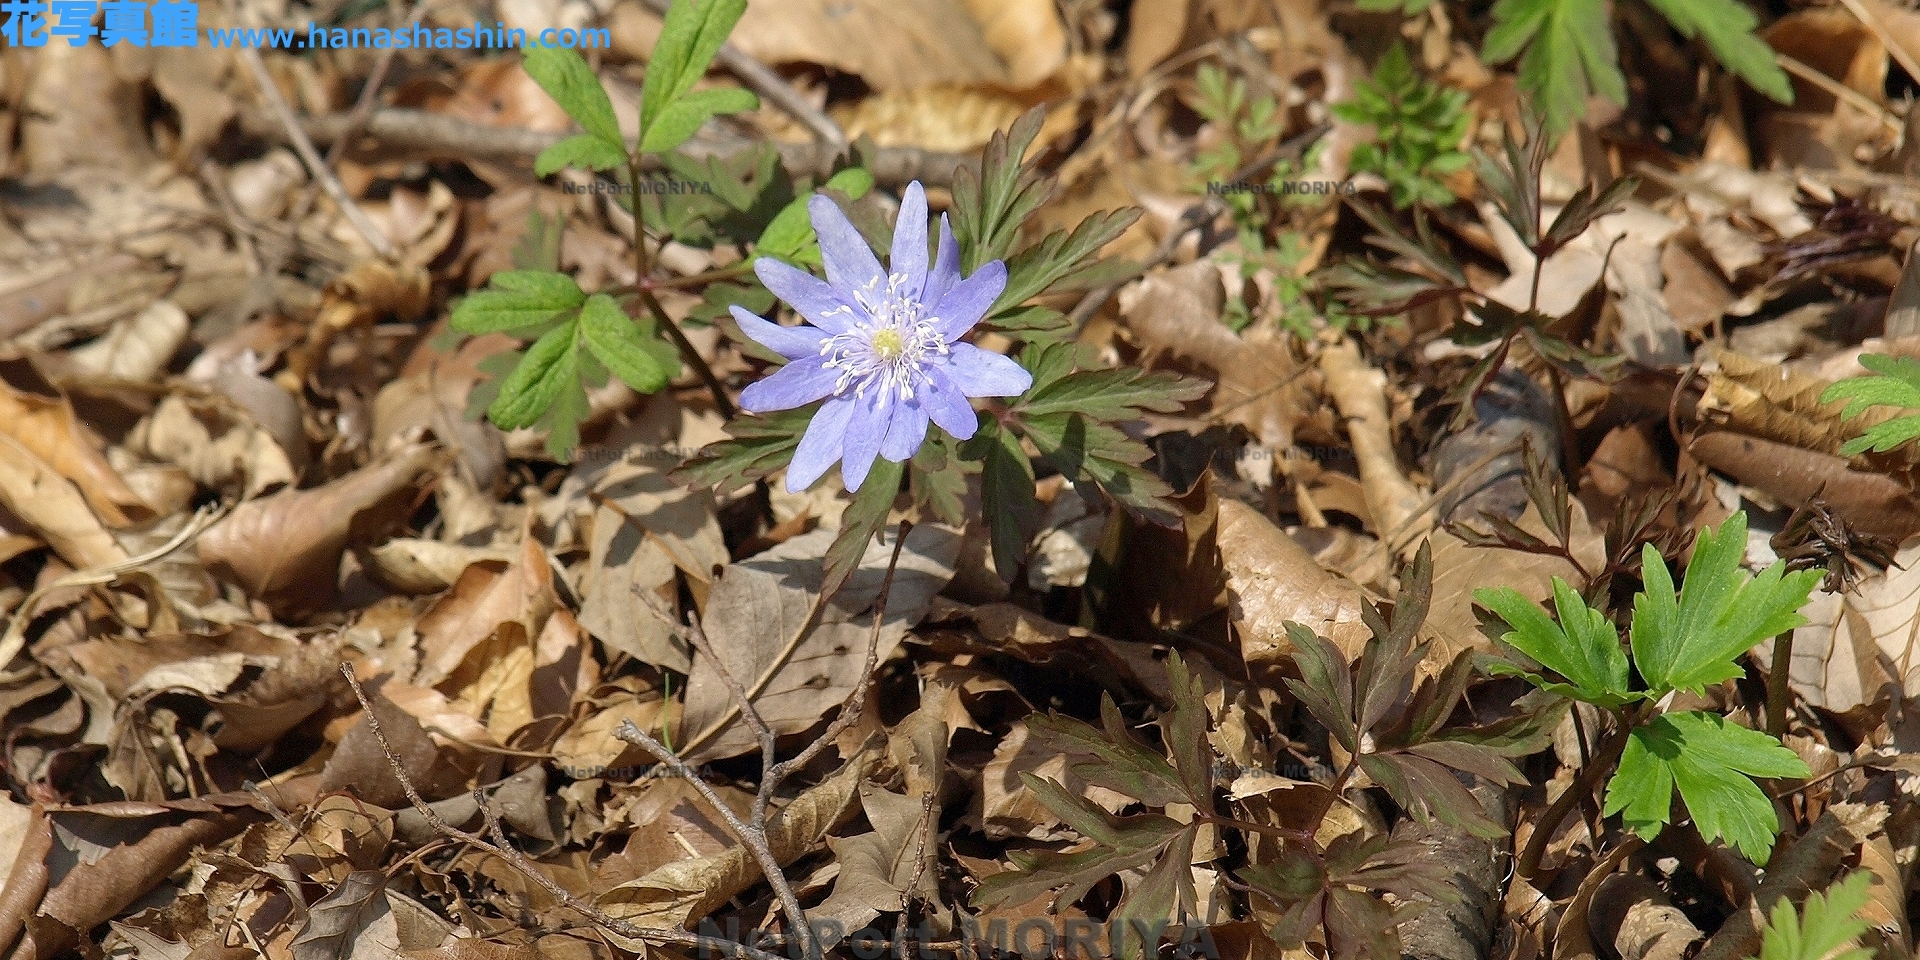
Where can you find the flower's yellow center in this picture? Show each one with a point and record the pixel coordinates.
(887, 344)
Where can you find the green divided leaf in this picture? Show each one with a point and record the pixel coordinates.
(1119, 762)
(1895, 383)
(1712, 763)
(517, 299)
(683, 117)
(1043, 266)
(1692, 639)
(571, 83)
(1007, 486)
(989, 208)
(690, 36)
(1582, 646)
(580, 150)
(760, 444)
(639, 359)
(1727, 26)
(1825, 923)
(551, 364)
(1569, 54)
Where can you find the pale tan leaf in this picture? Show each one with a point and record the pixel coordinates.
(47, 427)
(645, 527)
(137, 349)
(681, 893)
(1838, 656)
(419, 567)
(37, 494)
(892, 46)
(1274, 580)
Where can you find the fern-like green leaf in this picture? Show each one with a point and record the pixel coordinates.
(1825, 924)
(1896, 383)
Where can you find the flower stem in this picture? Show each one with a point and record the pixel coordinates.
(1582, 786)
(1778, 692)
(642, 268)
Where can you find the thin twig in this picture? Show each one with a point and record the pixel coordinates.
(368, 230)
(772, 86)
(752, 838)
(752, 833)
(370, 94)
(519, 861)
(434, 134)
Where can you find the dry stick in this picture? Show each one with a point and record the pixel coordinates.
(370, 94)
(316, 166)
(1779, 692)
(923, 829)
(753, 832)
(519, 861)
(772, 86)
(437, 134)
(1359, 391)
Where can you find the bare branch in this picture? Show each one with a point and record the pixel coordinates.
(434, 134)
(519, 861)
(316, 166)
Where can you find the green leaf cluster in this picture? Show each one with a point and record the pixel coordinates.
(1895, 382)
(1567, 52)
(1679, 641)
(670, 109)
(1418, 126)
(577, 340)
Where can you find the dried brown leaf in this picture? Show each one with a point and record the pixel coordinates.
(760, 619)
(51, 505)
(681, 893)
(285, 548)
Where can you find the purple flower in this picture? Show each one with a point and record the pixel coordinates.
(884, 346)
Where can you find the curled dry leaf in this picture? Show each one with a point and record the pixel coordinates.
(1177, 312)
(892, 46)
(486, 611)
(368, 291)
(137, 349)
(1274, 580)
(419, 567)
(94, 891)
(681, 893)
(215, 443)
(645, 528)
(1840, 656)
(238, 379)
(48, 503)
(893, 860)
(285, 548)
(1870, 501)
(47, 427)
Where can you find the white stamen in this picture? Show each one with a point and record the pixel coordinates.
(906, 341)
